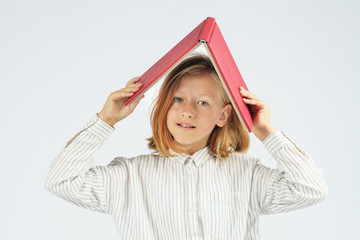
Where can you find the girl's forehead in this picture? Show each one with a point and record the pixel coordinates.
(204, 81)
(200, 85)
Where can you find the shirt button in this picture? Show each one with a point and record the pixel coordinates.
(190, 172)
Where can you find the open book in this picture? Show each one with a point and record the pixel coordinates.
(207, 33)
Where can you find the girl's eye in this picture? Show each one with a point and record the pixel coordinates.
(203, 103)
(177, 99)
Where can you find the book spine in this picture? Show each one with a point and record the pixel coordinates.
(207, 29)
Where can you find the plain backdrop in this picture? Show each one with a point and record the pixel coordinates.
(59, 60)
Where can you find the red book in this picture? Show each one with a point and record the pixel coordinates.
(207, 33)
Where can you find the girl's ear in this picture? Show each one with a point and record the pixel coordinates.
(224, 115)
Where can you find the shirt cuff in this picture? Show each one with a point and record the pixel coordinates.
(99, 128)
(276, 140)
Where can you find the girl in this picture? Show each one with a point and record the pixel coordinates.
(199, 183)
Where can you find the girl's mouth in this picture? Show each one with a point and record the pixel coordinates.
(184, 125)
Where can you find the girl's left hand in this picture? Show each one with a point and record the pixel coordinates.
(260, 112)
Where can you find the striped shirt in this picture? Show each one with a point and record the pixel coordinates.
(187, 196)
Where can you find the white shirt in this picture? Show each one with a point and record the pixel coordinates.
(185, 197)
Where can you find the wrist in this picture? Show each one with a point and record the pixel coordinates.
(263, 132)
(106, 119)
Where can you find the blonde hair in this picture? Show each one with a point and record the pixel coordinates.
(232, 137)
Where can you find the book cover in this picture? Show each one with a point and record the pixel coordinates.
(207, 33)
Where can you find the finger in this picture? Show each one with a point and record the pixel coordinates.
(133, 80)
(134, 85)
(245, 92)
(122, 91)
(121, 94)
(132, 88)
(248, 94)
(253, 101)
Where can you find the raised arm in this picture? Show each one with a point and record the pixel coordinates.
(297, 182)
(72, 175)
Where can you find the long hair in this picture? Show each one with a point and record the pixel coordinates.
(232, 137)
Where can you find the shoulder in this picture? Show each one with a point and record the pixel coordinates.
(243, 159)
(240, 166)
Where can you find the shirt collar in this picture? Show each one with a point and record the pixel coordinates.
(198, 157)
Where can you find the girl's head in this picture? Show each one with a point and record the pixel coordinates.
(193, 110)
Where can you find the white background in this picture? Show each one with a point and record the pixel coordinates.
(59, 60)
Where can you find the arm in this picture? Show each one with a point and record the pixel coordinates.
(72, 175)
(297, 182)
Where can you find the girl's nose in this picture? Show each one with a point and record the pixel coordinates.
(187, 111)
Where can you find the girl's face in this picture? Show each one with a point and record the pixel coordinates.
(195, 111)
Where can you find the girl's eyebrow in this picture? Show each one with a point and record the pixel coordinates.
(198, 96)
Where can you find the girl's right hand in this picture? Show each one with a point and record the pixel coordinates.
(114, 109)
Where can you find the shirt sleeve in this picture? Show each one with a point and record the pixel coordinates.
(295, 184)
(72, 175)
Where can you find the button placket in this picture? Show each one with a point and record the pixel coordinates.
(193, 227)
